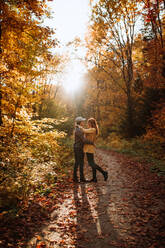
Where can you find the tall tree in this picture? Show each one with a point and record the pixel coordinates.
(112, 37)
(25, 56)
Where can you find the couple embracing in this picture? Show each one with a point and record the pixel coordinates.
(85, 144)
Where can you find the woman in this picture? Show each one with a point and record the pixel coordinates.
(91, 133)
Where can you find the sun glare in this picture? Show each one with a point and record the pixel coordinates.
(73, 79)
(70, 18)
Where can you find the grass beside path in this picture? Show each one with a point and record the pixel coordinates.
(142, 151)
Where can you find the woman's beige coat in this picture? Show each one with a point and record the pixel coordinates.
(90, 134)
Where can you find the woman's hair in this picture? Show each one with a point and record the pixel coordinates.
(93, 124)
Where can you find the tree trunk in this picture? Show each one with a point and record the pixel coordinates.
(98, 102)
(129, 95)
(1, 122)
(130, 117)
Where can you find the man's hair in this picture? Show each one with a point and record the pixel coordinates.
(78, 122)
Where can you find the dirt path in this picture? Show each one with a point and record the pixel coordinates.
(126, 211)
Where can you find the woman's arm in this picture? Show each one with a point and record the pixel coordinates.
(84, 140)
(88, 130)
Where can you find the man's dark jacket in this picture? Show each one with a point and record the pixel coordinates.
(80, 140)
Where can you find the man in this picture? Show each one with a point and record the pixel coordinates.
(78, 149)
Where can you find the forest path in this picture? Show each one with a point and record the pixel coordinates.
(128, 210)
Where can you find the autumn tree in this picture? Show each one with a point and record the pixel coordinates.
(152, 14)
(25, 65)
(112, 37)
(25, 56)
(130, 59)
(150, 62)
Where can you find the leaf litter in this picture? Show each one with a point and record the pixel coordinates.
(126, 211)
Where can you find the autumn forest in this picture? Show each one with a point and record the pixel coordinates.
(120, 82)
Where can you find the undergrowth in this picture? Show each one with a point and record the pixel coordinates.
(142, 150)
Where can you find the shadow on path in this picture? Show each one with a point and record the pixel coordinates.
(94, 228)
(127, 211)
